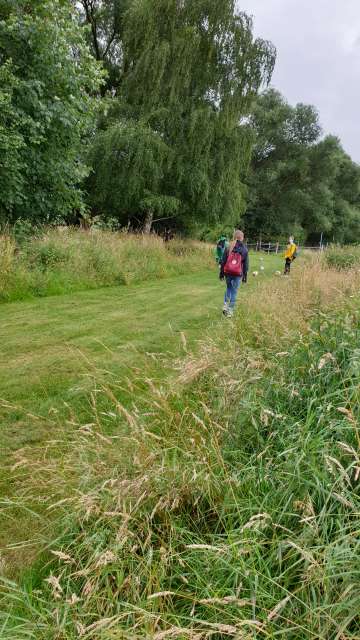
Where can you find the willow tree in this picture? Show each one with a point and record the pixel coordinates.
(190, 70)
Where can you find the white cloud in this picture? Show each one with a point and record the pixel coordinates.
(318, 44)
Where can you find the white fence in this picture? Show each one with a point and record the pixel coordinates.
(276, 247)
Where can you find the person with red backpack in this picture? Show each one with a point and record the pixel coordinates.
(234, 268)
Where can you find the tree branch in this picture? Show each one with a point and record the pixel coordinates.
(90, 17)
(161, 219)
(106, 51)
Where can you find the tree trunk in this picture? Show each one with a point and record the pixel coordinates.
(148, 222)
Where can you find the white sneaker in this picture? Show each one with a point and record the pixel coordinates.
(225, 309)
(230, 313)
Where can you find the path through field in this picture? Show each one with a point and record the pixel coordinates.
(51, 349)
(50, 344)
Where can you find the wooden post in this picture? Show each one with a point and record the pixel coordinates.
(277, 248)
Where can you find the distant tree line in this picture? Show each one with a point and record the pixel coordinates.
(299, 182)
(153, 114)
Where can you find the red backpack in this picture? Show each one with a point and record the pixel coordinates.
(233, 266)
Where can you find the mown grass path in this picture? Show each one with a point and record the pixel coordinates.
(48, 345)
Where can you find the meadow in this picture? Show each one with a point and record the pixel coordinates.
(66, 260)
(171, 474)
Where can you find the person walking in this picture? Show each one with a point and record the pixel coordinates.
(221, 245)
(290, 255)
(234, 268)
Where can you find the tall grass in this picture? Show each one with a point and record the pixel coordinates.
(224, 506)
(7, 252)
(66, 260)
(341, 258)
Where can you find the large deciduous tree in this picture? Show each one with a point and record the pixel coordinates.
(280, 165)
(47, 76)
(176, 140)
(298, 183)
(334, 182)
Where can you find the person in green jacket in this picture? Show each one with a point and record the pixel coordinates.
(222, 245)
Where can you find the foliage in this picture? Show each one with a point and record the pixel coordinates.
(105, 22)
(212, 232)
(11, 141)
(47, 77)
(24, 230)
(298, 184)
(175, 132)
(174, 85)
(127, 160)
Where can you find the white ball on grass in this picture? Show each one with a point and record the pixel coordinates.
(255, 273)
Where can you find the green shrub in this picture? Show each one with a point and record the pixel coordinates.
(25, 230)
(46, 254)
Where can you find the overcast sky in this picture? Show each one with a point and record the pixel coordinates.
(318, 49)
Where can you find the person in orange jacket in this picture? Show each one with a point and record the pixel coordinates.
(290, 255)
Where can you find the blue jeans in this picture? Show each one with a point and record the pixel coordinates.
(232, 287)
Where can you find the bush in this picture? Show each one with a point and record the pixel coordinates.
(46, 254)
(25, 230)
